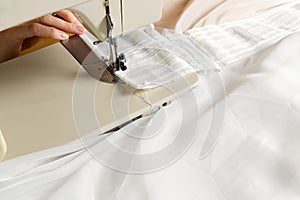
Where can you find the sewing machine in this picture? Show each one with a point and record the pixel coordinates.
(37, 89)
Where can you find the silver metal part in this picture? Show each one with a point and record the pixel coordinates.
(115, 60)
(99, 67)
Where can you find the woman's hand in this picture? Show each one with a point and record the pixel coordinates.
(24, 36)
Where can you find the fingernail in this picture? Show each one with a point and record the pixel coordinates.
(76, 21)
(79, 28)
(63, 36)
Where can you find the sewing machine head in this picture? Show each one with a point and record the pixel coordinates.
(104, 19)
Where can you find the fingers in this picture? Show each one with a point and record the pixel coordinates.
(67, 15)
(51, 27)
(70, 23)
(36, 29)
(15, 39)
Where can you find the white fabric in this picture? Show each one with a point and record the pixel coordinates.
(156, 57)
(256, 157)
(229, 42)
